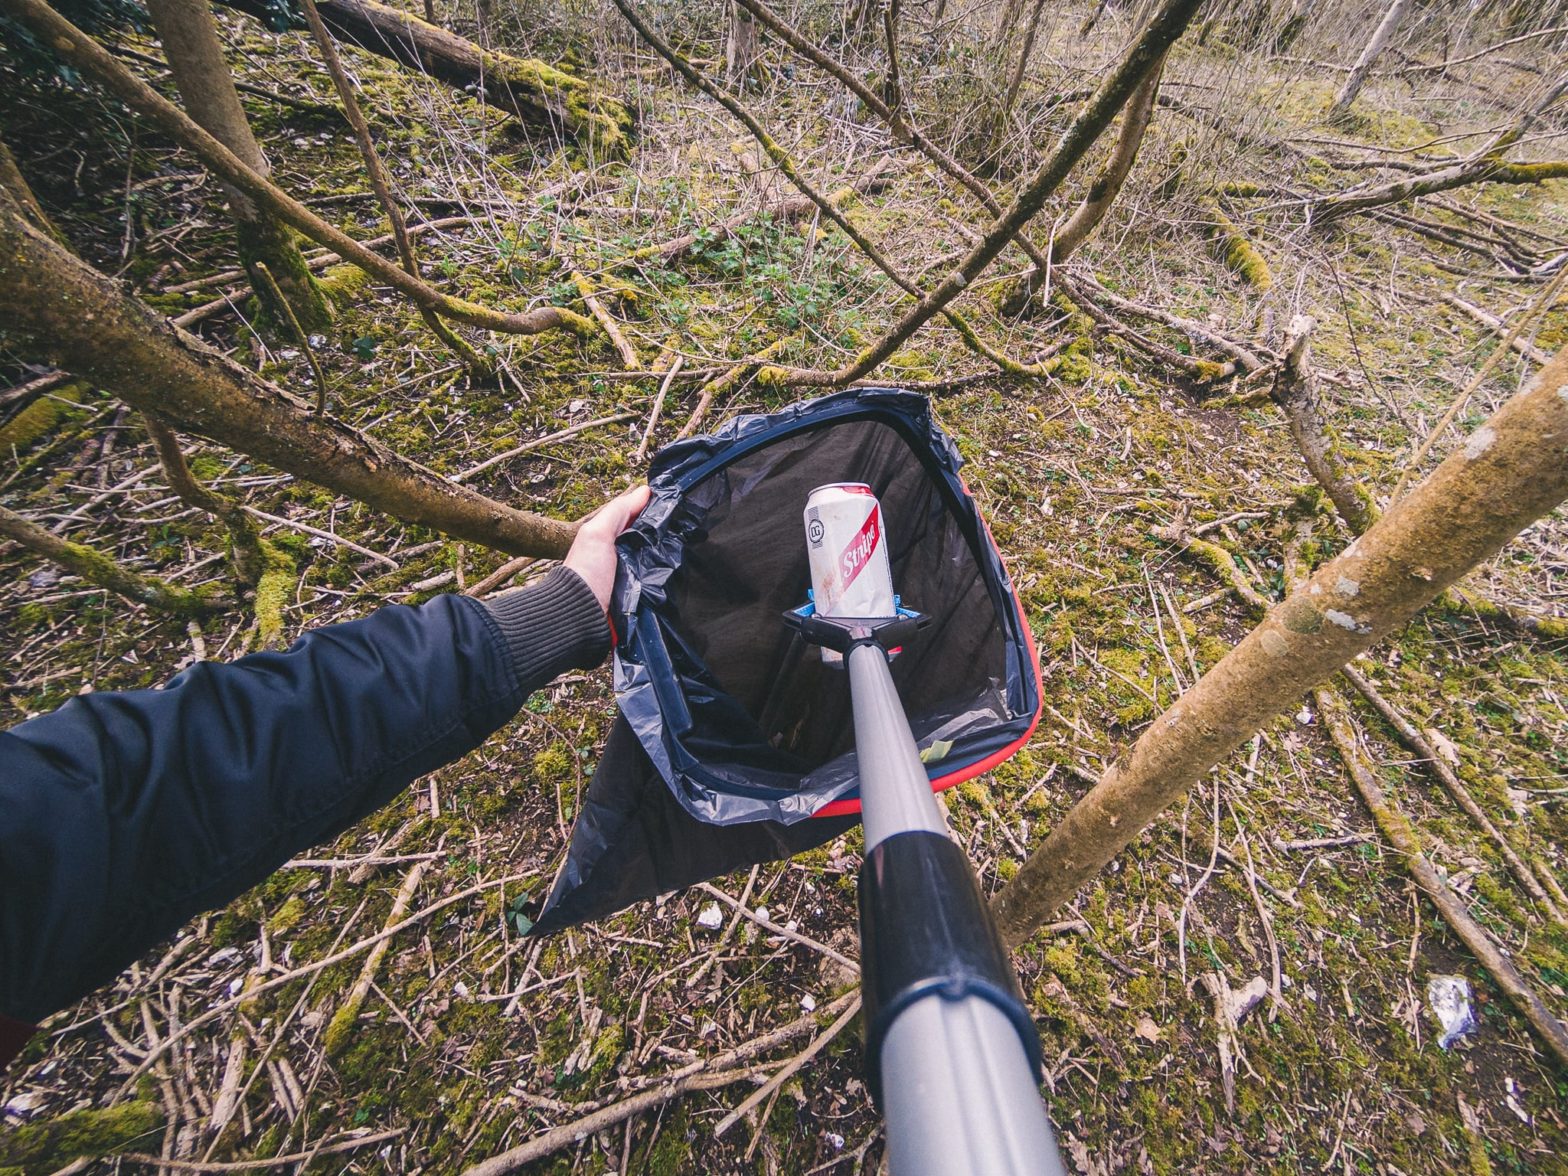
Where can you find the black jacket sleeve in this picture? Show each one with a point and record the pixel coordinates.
(123, 815)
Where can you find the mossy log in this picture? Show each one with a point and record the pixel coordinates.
(38, 418)
(50, 1144)
(1513, 470)
(97, 568)
(1488, 170)
(1237, 251)
(59, 309)
(531, 90)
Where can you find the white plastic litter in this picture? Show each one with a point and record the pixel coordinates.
(710, 917)
(1450, 1001)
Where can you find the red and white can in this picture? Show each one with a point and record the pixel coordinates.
(846, 545)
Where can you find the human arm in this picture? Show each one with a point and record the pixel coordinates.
(122, 815)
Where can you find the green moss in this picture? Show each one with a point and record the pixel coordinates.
(1236, 249)
(287, 917)
(343, 284)
(272, 593)
(54, 1143)
(39, 418)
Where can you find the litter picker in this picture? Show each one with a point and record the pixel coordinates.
(952, 1055)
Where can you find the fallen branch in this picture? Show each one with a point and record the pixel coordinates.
(658, 406)
(1499, 328)
(727, 380)
(1486, 166)
(333, 1148)
(320, 259)
(1296, 392)
(1394, 826)
(1086, 289)
(534, 91)
(337, 1033)
(707, 1074)
(539, 443)
(1220, 561)
(596, 308)
(1422, 747)
(97, 568)
(790, 1068)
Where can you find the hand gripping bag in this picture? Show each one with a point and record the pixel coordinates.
(734, 744)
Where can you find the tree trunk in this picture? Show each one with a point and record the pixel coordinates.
(1102, 193)
(1513, 470)
(1369, 55)
(1105, 187)
(195, 55)
(742, 48)
(59, 309)
(531, 90)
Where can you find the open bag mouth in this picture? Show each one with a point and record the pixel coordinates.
(741, 717)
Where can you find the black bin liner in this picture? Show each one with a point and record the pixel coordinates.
(735, 743)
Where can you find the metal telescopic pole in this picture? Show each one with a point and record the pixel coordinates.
(958, 1088)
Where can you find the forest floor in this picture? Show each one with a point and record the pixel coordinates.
(474, 1039)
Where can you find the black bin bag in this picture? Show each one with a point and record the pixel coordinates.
(735, 743)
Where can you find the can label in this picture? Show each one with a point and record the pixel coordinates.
(846, 545)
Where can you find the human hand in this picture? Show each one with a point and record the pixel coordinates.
(592, 555)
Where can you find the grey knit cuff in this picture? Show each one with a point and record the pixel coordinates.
(550, 627)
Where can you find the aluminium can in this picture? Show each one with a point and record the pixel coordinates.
(846, 545)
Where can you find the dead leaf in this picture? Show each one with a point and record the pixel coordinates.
(1443, 745)
(1147, 1029)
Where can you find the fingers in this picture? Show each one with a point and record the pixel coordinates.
(616, 515)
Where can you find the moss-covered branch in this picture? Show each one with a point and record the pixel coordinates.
(535, 91)
(244, 536)
(58, 309)
(97, 568)
(1397, 829)
(50, 1144)
(1236, 249)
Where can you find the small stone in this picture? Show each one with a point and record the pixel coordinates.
(711, 917)
(809, 1003)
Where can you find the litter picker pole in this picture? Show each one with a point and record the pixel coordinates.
(952, 1054)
